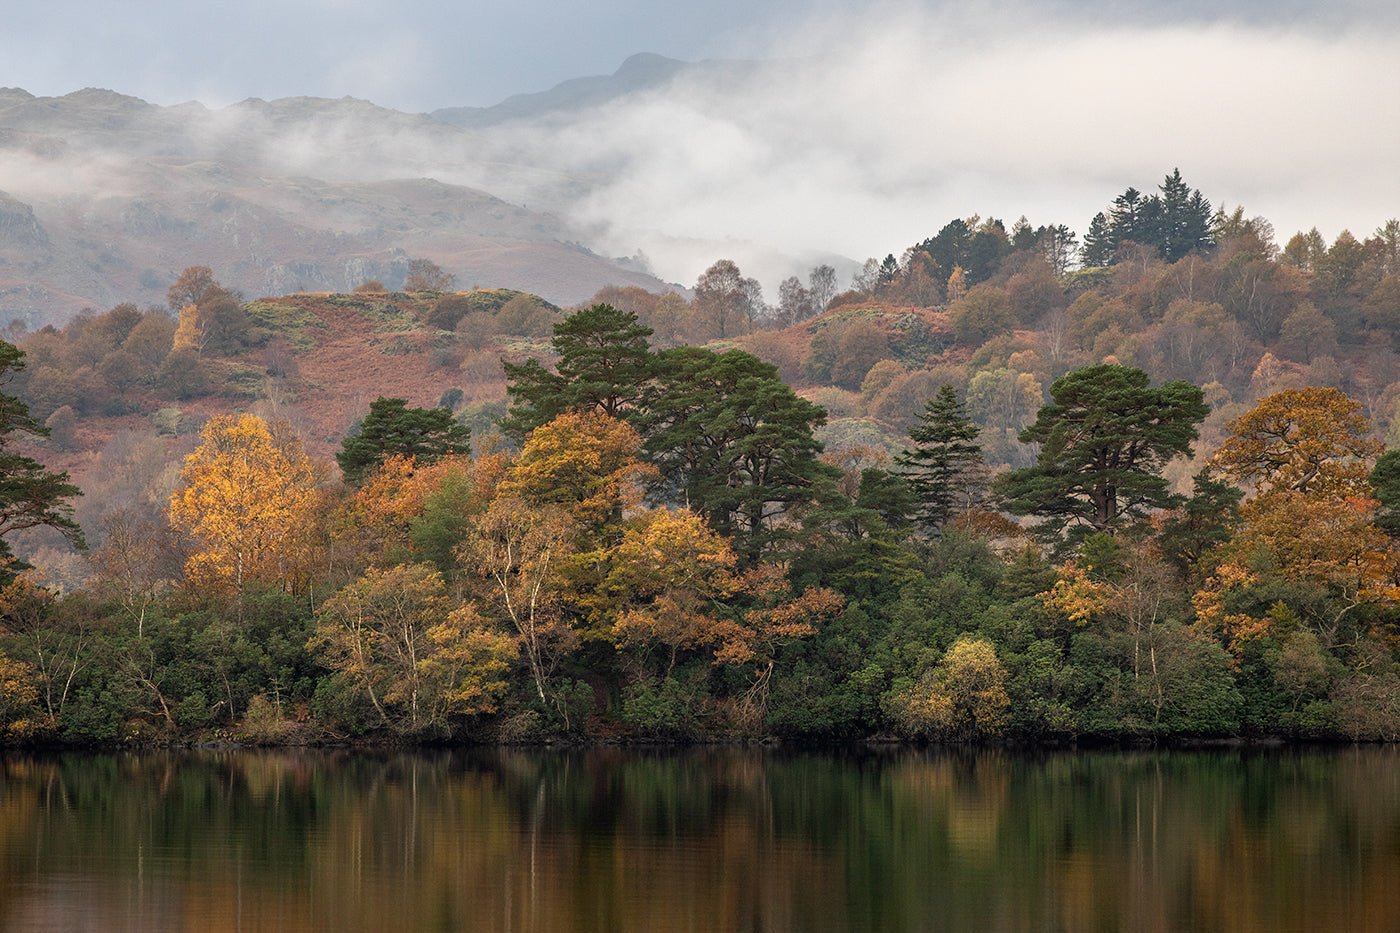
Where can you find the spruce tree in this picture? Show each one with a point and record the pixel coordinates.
(1098, 243)
(944, 468)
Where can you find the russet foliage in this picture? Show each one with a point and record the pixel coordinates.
(671, 550)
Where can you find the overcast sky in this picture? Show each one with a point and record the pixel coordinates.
(419, 55)
(904, 114)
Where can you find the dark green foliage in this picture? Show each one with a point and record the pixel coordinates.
(948, 248)
(977, 252)
(734, 442)
(444, 523)
(1098, 243)
(392, 429)
(605, 364)
(944, 468)
(857, 547)
(1175, 223)
(664, 709)
(1262, 708)
(1184, 221)
(1385, 486)
(889, 270)
(30, 495)
(1204, 521)
(1103, 441)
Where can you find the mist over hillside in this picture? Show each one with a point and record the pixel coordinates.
(104, 198)
(852, 136)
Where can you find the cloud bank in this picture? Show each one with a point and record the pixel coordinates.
(865, 129)
(868, 136)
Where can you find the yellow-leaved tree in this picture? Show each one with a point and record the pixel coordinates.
(247, 505)
(666, 574)
(420, 660)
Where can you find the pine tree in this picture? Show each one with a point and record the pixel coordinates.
(605, 364)
(945, 468)
(393, 429)
(30, 495)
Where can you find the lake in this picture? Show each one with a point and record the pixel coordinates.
(705, 839)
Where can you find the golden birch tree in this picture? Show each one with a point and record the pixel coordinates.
(395, 634)
(246, 505)
(515, 550)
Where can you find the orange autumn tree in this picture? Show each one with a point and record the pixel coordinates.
(668, 570)
(1310, 440)
(1310, 521)
(249, 495)
(585, 461)
(408, 511)
(776, 616)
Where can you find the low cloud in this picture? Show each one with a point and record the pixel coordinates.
(863, 133)
(868, 135)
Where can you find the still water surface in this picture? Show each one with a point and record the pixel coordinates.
(712, 839)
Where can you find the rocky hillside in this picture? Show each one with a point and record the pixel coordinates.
(104, 198)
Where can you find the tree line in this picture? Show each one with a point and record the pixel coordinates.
(667, 551)
(986, 494)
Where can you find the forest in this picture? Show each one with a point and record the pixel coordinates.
(1006, 487)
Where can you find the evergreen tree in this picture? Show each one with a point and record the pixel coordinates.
(1127, 218)
(1205, 521)
(393, 429)
(30, 495)
(1183, 220)
(949, 247)
(945, 465)
(889, 270)
(1385, 486)
(735, 443)
(1098, 243)
(1103, 441)
(605, 364)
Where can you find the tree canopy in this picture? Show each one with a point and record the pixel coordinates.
(734, 442)
(605, 364)
(30, 494)
(1103, 441)
(247, 497)
(1302, 439)
(392, 429)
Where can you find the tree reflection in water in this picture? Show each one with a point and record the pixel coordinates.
(709, 839)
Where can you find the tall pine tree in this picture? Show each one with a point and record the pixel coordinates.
(30, 495)
(945, 467)
(605, 364)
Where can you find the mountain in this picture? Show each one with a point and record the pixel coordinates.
(105, 198)
(639, 74)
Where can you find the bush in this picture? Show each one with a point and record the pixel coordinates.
(264, 723)
(664, 710)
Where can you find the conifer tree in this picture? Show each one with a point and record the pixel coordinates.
(30, 495)
(1103, 441)
(945, 465)
(393, 429)
(1098, 243)
(605, 364)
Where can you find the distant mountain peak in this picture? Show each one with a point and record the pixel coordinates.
(640, 72)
